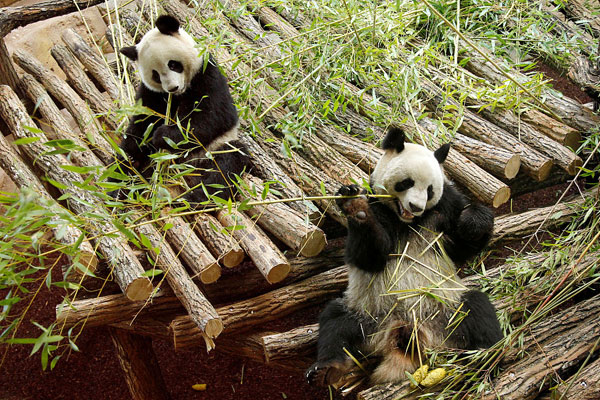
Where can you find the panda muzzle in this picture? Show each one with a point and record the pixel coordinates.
(404, 213)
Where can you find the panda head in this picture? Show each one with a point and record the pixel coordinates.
(412, 174)
(167, 57)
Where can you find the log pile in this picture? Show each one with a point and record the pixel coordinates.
(290, 265)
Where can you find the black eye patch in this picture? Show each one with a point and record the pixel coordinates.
(175, 66)
(404, 185)
(155, 76)
(429, 192)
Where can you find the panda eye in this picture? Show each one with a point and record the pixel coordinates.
(155, 76)
(429, 192)
(175, 66)
(404, 185)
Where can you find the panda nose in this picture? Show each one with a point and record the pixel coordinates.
(415, 209)
(173, 89)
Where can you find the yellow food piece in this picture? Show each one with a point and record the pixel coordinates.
(420, 373)
(433, 377)
(199, 387)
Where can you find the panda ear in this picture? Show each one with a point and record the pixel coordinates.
(441, 153)
(129, 52)
(393, 140)
(167, 25)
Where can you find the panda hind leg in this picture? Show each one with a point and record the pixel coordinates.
(480, 327)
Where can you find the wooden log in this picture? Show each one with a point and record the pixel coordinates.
(294, 343)
(116, 308)
(390, 391)
(71, 100)
(199, 309)
(533, 163)
(266, 256)
(191, 249)
(154, 326)
(8, 75)
(81, 83)
(522, 184)
(125, 265)
(93, 62)
(553, 129)
(585, 75)
(562, 156)
(528, 377)
(140, 366)
(13, 17)
(496, 160)
(484, 186)
(272, 305)
(583, 386)
(287, 225)
(265, 167)
(273, 21)
(219, 242)
(65, 233)
(584, 12)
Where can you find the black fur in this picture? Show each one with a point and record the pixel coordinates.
(130, 52)
(207, 108)
(394, 139)
(441, 153)
(167, 25)
(479, 328)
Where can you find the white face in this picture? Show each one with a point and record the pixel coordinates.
(167, 63)
(414, 177)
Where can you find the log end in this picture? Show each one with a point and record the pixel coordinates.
(544, 171)
(233, 258)
(501, 196)
(572, 139)
(211, 273)
(139, 289)
(278, 273)
(574, 166)
(512, 166)
(313, 243)
(213, 328)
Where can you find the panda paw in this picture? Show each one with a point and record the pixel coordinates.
(324, 374)
(476, 222)
(356, 207)
(163, 132)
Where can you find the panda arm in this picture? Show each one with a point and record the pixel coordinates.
(467, 225)
(371, 234)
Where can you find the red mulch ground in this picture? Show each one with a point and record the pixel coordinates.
(94, 373)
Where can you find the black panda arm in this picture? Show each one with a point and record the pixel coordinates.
(372, 230)
(206, 109)
(467, 225)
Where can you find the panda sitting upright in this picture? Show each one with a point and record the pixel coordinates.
(169, 63)
(403, 290)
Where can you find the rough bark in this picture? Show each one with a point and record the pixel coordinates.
(70, 99)
(13, 17)
(219, 242)
(77, 78)
(140, 366)
(267, 307)
(266, 256)
(8, 75)
(585, 75)
(191, 249)
(583, 386)
(287, 225)
(125, 265)
(498, 161)
(585, 12)
(522, 183)
(154, 326)
(551, 128)
(294, 343)
(390, 391)
(273, 21)
(24, 177)
(199, 309)
(93, 62)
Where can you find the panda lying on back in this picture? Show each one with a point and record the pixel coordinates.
(168, 62)
(400, 275)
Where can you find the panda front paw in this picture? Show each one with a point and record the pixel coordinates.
(163, 132)
(476, 222)
(324, 374)
(355, 207)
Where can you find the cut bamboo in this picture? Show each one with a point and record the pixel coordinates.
(220, 243)
(93, 62)
(269, 306)
(294, 343)
(126, 268)
(284, 223)
(266, 256)
(70, 99)
(199, 309)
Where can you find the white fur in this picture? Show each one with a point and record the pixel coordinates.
(155, 50)
(417, 163)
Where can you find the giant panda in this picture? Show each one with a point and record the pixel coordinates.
(403, 292)
(169, 63)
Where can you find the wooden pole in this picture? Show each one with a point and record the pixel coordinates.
(221, 244)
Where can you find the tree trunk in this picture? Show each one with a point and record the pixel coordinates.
(140, 366)
(266, 256)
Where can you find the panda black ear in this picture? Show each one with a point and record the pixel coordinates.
(129, 52)
(393, 140)
(167, 25)
(441, 153)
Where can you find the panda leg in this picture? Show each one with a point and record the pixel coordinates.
(339, 331)
(480, 327)
(397, 345)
